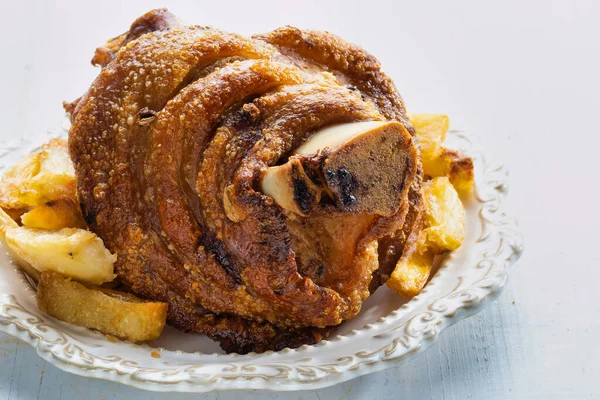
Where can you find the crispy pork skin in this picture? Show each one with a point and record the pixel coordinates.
(174, 146)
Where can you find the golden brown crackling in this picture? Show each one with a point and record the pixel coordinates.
(190, 119)
(110, 189)
(240, 335)
(352, 65)
(319, 106)
(120, 183)
(362, 72)
(154, 20)
(174, 240)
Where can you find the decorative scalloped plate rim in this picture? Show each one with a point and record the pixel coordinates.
(467, 280)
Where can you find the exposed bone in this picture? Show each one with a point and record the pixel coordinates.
(336, 135)
(361, 166)
(291, 188)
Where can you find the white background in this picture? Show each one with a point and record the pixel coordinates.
(523, 75)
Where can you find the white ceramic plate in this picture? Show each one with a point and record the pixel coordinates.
(388, 330)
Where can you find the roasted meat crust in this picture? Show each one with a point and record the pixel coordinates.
(169, 145)
(155, 20)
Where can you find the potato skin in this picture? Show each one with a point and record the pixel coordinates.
(119, 314)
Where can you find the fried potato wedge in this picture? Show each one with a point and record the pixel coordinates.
(54, 215)
(115, 313)
(460, 171)
(56, 177)
(76, 253)
(7, 223)
(443, 220)
(431, 130)
(40, 190)
(413, 268)
(13, 186)
(444, 216)
(411, 273)
(39, 177)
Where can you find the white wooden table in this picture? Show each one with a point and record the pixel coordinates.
(522, 75)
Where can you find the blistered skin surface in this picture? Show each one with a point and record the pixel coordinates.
(169, 146)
